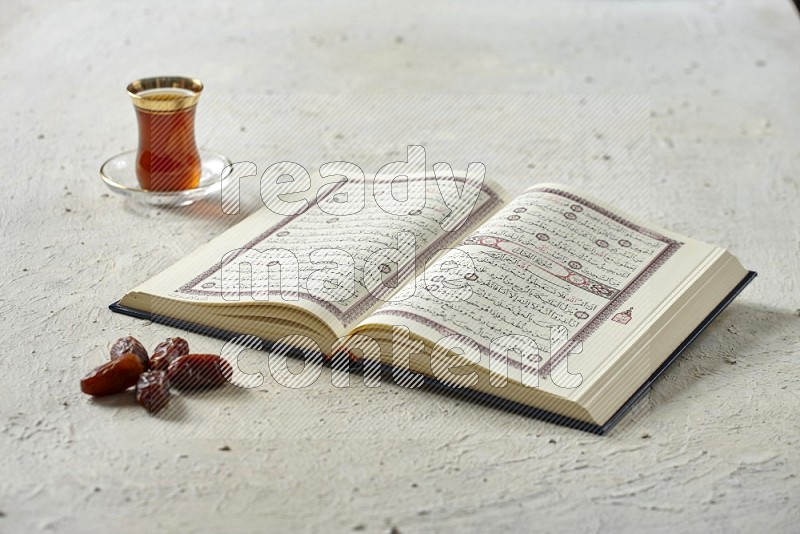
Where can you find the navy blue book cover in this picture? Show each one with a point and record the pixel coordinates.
(489, 400)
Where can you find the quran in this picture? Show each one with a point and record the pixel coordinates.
(552, 301)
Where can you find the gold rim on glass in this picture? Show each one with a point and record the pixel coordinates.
(179, 93)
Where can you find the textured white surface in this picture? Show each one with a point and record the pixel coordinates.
(712, 448)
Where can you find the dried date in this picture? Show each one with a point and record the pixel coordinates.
(130, 345)
(113, 377)
(199, 371)
(168, 351)
(152, 391)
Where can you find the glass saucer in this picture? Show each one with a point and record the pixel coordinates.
(119, 174)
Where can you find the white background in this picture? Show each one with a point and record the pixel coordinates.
(713, 447)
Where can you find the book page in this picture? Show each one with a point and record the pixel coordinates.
(336, 264)
(549, 273)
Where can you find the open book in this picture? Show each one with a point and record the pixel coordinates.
(551, 300)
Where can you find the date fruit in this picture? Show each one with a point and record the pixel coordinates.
(199, 371)
(113, 377)
(130, 345)
(167, 351)
(152, 391)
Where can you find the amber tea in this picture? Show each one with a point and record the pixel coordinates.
(167, 158)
